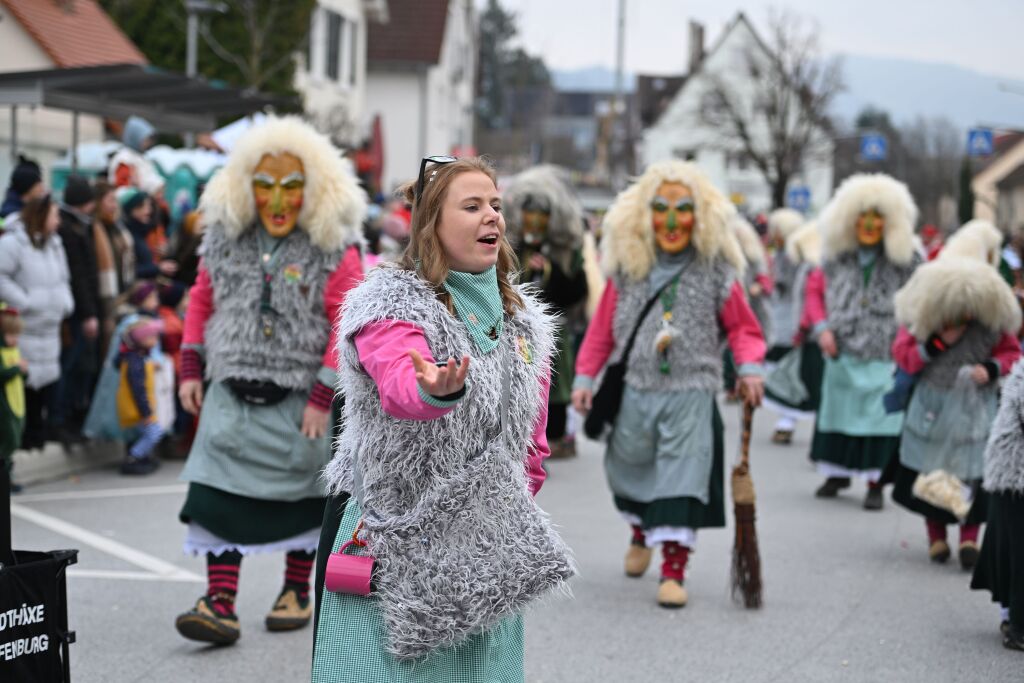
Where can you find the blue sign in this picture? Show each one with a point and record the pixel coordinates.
(799, 197)
(979, 142)
(873, 147)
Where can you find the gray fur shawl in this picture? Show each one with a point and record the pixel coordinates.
(863, 318)
(1004, 455)
(459, 541)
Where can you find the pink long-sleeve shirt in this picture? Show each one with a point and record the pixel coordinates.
(383, 349)
(813, 312)
(736, 317)
(347, 275)
(908, 354)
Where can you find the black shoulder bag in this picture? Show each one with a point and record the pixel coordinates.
(605, 406)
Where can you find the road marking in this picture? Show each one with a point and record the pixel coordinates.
(130, 576)
(103, 493)
(155, 565)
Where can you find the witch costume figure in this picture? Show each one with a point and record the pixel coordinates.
(758, 285)
(793, 388)
(958, 321)
(782, 223)
(545, 226)
(280, 251)
(868, 240)
(674, 294)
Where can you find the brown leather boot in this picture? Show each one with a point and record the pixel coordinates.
(671, 594)
(207, 625)
(289, 612)
(638, 559)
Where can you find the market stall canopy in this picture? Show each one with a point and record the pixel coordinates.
(172, 102)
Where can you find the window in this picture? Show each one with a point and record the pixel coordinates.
(335, 24)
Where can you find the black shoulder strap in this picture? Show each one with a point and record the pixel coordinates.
(640, 321)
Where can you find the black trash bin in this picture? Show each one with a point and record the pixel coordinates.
(34, 635)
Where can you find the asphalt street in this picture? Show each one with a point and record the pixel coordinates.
(849, 595)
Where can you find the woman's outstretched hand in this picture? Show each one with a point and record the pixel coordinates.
(440, 380)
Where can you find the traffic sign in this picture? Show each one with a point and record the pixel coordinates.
(873, 147)
(979, 142)
(799, 197)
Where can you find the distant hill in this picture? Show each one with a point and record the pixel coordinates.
(904, 88)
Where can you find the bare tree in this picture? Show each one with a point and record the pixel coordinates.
(778, 116)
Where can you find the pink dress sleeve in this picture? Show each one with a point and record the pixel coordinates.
(383, 351)
(814, 301)
(1006, 352)
(199, 309)
(599, 341)
(906, 352)
(345, 277)
(741, 327)
(538, 449)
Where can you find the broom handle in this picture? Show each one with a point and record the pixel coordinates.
(747, 424)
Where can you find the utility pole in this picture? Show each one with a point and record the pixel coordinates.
(194, 9)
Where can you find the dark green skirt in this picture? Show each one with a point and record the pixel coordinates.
(858, 453)
(903, 495)
(249, 521)
(812, 369)
(686, 511)
(1000, 568)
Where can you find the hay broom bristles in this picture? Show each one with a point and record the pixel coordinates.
(746, 558)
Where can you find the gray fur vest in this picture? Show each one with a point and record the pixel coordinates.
(863, 318)
(235, 345)
(1004, 455)
(784, 300)
(974, 347)
(694, 355)
(459, 541)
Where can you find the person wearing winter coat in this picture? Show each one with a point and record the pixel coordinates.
(1000, 567)
(128, 167)
(795, 395)
(34, 279)
(445, 365)
(280, 251)
(26, 184)
(869, 254)
(957, 337)
(675, 287)
(545, 226)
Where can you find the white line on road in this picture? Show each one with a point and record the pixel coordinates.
(130, 576)
(103, 493)
(109, 546)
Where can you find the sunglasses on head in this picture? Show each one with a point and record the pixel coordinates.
(438, 160)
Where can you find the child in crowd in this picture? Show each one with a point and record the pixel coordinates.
(13, 370)
(136, 396)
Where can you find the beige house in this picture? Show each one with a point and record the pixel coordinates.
(999, 188)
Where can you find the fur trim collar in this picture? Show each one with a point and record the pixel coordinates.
(977, 239)
(750, 241)
(565, 230)
(950, 289)
(804, 245)
(784, 222)
(334, 205)
(862, 192)
(628, 247)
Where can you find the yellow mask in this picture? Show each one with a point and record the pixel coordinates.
(673, 214)
(870, 228)
(278, 187)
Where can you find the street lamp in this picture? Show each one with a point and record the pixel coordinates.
(195, 9)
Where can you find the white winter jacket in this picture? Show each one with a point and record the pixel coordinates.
(37, 283)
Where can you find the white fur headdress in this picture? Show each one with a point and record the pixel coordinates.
(565, 228)
(333, 204)
(628, 246)
(863, 192)
(947, 290)
(977, 239)
(784, 222)
(750, 241)
(804, 245)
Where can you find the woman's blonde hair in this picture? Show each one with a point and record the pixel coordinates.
(425, 255)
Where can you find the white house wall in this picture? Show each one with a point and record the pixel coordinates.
(396, 96)
(44, 134)
(680, 133)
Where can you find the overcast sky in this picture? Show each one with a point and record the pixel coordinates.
(984, 35)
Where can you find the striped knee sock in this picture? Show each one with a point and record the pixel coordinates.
(222, 580)
(298, 566)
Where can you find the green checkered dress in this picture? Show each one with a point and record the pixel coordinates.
(350, 641)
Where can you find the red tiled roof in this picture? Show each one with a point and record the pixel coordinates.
(75, 32)
(413, 34)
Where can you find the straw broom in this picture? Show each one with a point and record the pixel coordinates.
(746, 559)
